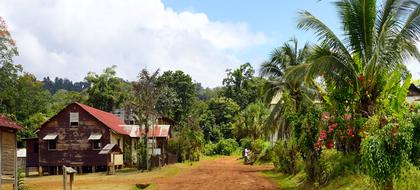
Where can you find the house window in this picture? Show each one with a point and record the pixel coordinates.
(35, 148)
(96, 144)
(52, 144)
(74, 119)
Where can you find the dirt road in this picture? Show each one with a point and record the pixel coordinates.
(222, 173)
(211, 174)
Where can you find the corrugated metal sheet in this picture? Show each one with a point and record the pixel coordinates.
(95, 137)
(108, 119)
(50, 137)
(7, 122)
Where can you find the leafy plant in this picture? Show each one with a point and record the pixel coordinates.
(285, 156)
(385, 153)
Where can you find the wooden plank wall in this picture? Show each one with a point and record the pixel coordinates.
(8, 156)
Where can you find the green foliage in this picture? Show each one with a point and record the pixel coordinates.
(260, 151)
(106, 92)
(189, 141)
(210, 149)
(21, 180)
(245, 143)
(8, 47)
(224, 110)
(242, 87)
(409, 179)
(226, 147)
(335, 164)
(415, 154)
(385, 153)
(250, 121)
(63, 84)
(142, 101)
(178, 95)
(223, 147)
(286, 156)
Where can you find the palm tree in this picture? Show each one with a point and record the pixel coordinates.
(144, 97)
(376, 41)
(281, 59)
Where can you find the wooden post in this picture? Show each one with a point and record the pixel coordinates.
(93, 169)
(64, 178)
(71, 181)
(15, 185)
(26, 171)
(71, 171)
(40, 172)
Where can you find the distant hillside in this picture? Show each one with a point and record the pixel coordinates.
(66, 84)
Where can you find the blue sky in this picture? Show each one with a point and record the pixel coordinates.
(275, 18)
(203, 38)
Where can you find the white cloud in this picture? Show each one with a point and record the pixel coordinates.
(69, 38)
(413, 65)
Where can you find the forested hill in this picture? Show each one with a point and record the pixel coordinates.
(63, 84)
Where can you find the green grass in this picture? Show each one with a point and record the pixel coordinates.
(410, 180)
(297, 181)
(286, 181)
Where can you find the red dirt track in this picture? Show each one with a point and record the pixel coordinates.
(222, 173)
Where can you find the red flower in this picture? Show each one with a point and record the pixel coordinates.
(318, 144)
(350, 133)
(332, 127)
(323, 135)
(347, 116)
(330, 144)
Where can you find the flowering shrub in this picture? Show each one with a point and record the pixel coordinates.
(341, 132)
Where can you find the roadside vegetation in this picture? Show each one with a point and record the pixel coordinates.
(337, 108)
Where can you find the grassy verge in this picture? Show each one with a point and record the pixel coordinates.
(410, 180)
(123, 179)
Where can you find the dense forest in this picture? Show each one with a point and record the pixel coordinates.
(337, 107)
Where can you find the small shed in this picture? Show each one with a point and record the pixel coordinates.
(8, 148)
(115, 157)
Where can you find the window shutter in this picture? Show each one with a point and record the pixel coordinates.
(74, 117)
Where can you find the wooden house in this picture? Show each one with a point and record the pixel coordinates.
(8, 148)
(413, 95)
(75, 136)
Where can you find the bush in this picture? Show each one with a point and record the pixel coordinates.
(210, 149)
(385, 153)
(285, 156)
(334, 164)
(226, 146)
(245, 143)
(260, 151)
(188, 145)
(415, 154)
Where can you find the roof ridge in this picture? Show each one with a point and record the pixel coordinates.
(114, 124)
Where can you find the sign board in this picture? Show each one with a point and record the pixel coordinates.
(118, 159)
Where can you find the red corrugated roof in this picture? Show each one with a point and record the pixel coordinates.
(108, 119)
(159, 131)
(6, 122)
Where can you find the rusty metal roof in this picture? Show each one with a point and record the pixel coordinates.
(8, 123)
(156, 131)
(110, 148)
(108, 119)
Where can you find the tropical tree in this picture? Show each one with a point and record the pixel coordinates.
(242, 86)
(142, 104)
(250, 121)
(287, 94)
(106, 92)
(376, 41)
(181, 92)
